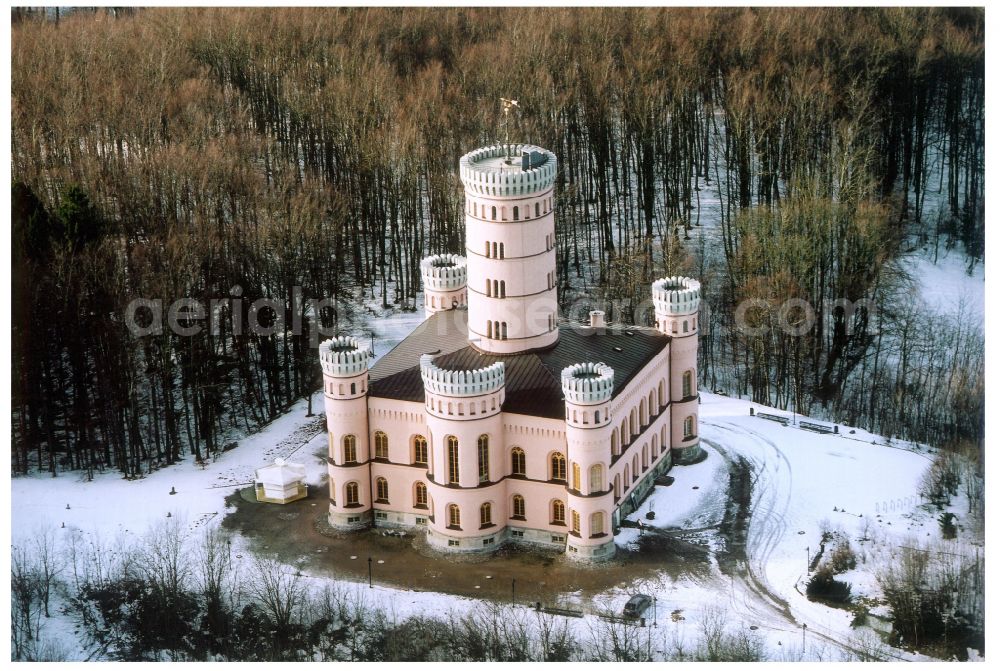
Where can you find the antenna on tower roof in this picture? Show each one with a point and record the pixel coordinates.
(508, 105)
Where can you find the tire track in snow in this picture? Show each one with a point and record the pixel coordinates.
(769, 506)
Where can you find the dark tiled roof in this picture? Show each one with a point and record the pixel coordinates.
(532, 379)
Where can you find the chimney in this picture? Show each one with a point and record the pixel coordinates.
(597, 319)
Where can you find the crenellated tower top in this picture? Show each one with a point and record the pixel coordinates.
(588, 383)
(344, 356)
(676, 295)
(460, 383)
(486, 172)
(444, 272)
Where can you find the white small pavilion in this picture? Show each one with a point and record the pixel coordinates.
(281, 482)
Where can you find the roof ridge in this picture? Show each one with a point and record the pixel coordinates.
(555, 379)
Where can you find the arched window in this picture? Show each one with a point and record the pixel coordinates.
(518, 505)
(420, 450)
(627, 480)
(624, 435)
(503, 330)
(663, 395)
(483, 445)
(576, 522)
(614, 443)
(452, 460)
(618, 487)
(517, 461)
(654, 446)
(652, 402)
(485, 515)
(686, 384)
(420, 495)
(351, 493)
(489, 288)
(489, 329)
(501, 250)
(597, 524)
(381, 445)
(537, 210)
(685, 326)
(596, 478)
(558, 463)
(645, 457)
(350, 449)
(496, 288)
(633, 422)
(576, 476)
(689, 427)
(635, 467)
(558, 512)
(643, 419)
(487, 249)
(381, 490)
(503, 289)
(454, 517)
(516, 213)
(503, 213)
(494, 213)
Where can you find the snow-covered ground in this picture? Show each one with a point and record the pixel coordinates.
(804, 483)
(799, 477)
(947, 284)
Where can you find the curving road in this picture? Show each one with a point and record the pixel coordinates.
(752, 592)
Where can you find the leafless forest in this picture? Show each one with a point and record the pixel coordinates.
(774, 153)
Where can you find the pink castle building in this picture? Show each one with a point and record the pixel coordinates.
(495, 422)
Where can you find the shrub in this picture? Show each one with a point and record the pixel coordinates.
(942, 479)
(843, 558)
(947, 522)
(825, 587)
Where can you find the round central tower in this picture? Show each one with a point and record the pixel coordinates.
(510, 247)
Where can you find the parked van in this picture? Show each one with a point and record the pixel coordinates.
(637, 605)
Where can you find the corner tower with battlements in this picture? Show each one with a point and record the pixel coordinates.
(676, 301)
(445, 277)
(345, 398)
(494, 423)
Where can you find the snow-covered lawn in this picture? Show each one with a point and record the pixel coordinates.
(804, 483)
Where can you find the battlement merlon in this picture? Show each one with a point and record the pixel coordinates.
(461, 383)
(676, 295)
(444, 272)
(588, 383)
(485, 171)
(344, 356)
